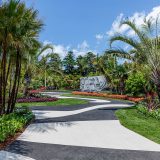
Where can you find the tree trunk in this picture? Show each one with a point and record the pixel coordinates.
(1, 108)
(13, 95)
(17, 87)
(158, 91)
(3, 78)
(45, 79)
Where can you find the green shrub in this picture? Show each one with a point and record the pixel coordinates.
(135, 83)
(14, 122)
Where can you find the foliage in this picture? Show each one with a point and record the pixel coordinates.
(144, 47)
(69, 63)
(14, 122)
(19, 30)
(135, 83)
(153, 113)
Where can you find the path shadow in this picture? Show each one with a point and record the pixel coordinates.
(19, 147)
(46, 127)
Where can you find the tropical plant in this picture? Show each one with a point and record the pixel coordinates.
(19, 29)
(145, 47)
(135, 84)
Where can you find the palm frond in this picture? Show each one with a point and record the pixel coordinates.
(44, 48)
(120, 53)
(130, 41)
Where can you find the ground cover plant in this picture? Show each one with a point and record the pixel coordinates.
(12, 123)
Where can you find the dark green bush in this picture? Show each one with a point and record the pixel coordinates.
(135, 83)
(14, 122)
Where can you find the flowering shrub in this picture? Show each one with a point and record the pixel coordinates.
(116, 96)
(36, 99)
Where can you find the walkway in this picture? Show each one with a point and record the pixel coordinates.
(80, 132)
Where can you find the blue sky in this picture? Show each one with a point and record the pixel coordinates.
(83, 25)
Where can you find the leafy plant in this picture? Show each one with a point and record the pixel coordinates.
(135, 83)
(152, 113)
(14, 122)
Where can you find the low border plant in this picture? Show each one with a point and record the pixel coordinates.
(12, 123)
(152, 113)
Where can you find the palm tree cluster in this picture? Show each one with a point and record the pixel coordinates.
(144, 52)
(19, 31)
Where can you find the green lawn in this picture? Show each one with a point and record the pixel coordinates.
(60, 102)
(136, 121)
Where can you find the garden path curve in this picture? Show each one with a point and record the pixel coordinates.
(80, 132)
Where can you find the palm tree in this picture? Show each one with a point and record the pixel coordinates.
(31, 64)
(19, 30)
(145, 47)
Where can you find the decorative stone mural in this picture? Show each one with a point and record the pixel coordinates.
(93, 84)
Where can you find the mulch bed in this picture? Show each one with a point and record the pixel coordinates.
(114, 96)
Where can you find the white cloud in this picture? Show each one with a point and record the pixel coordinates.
(82, 49)
(83, 46)
(137, 17)
(62, 50)
(155, 11)
(99, 37)
(116, 26)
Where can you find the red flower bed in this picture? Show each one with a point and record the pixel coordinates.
(41, 89)
(34, 91)
(35, 99)
(115, 96)
(137, 99)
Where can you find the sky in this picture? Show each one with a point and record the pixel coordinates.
(87, 25)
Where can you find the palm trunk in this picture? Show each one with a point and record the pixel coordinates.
(45, 80)
(8, 70)
(3, 78)
(13, 95)
(1, 108)
(17, 87)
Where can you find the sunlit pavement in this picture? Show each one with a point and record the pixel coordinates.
(82, 132)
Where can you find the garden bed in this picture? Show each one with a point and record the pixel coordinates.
(36, 99)
(12, 125)
(36, 96)
(114, 96)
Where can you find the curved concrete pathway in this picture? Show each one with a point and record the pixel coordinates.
(80, 132)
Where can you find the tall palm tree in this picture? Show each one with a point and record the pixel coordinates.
(19, 30)
(145, 47)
